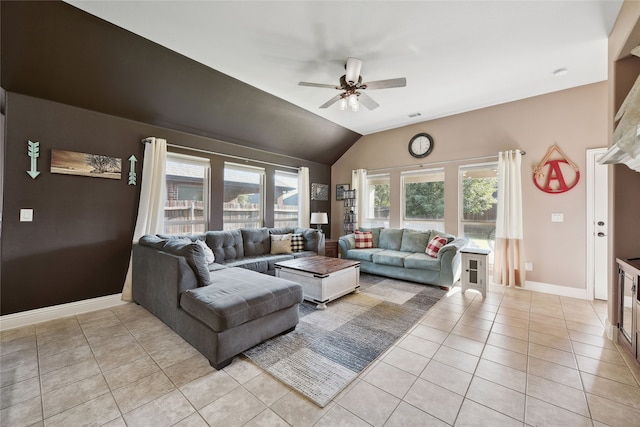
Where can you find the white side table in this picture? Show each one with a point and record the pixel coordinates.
(475, 272)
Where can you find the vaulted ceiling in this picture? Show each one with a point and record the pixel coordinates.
(456, 55)
(229, 70)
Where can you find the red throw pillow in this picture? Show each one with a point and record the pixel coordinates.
(364, 239)
(434, 246)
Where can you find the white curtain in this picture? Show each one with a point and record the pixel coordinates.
(509, 260)
(359, 183)
(152, 198)
(304, 197)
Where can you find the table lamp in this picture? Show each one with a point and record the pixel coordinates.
(319, 218)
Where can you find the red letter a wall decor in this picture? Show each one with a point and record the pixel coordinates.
(556, 175)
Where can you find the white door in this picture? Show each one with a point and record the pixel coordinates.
(597, 226)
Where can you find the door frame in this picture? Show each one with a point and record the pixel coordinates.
(592, 154)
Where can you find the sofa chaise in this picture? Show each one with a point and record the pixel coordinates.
(227, 306)
(401, 254)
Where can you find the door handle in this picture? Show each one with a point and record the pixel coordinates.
(600, 223)
(601, 234)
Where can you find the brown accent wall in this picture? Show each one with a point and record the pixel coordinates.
(575, 119)
(78, 83)
(52, 50)
(78, 245)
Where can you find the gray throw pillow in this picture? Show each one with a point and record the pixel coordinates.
(390, 238)
(415, 241)
(194, 255)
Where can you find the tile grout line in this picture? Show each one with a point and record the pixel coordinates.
(75, 382)
(573, 352)
(102, 371)
(176, 388)
(450, 332)
(380, 359)
(35, 336)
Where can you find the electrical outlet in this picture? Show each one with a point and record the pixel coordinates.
(557, 217)
(528, 266)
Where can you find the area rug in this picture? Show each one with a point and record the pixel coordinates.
(329, 348)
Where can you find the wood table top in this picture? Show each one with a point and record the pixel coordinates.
(317, 264)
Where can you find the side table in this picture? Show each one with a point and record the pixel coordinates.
(475, 273)
(331, 248)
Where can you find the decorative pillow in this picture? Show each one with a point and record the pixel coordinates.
(193, 254)
(280, 244)
(434, 246)
(297, 243)
(376, 234)
(391, 238)
(364, 239)
(208, 253)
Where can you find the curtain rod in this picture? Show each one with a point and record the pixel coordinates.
(444, 162)
(145, 140)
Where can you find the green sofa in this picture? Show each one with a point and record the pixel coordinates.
(400, 254)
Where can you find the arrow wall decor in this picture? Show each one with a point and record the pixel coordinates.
(132, 170)
(33, 151)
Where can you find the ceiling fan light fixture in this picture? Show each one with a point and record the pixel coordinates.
(351, 84)
(353, 102)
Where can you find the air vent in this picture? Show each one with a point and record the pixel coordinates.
(411, 116)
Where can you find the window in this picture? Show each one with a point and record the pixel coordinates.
(376, 199)
(186, 206)
(478, 192)
(285, 208)
(423, 200)
(243, 197)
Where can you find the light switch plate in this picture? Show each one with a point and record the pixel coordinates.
(26, 215)
(557, 217)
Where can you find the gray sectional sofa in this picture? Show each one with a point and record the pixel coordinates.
(227, 306)
(400, 254)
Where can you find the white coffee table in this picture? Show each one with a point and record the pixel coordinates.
(323, 279)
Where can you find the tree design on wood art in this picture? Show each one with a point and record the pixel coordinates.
(103, 164)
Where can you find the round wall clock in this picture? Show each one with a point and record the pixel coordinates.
(421, 145)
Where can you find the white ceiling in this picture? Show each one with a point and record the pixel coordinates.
(457, 56)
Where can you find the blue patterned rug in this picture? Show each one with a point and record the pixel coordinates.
(329, 348)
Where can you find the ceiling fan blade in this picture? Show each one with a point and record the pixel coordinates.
(386, 84)
(331, 101)
(367, 101)
(318, 85)
(354, 65)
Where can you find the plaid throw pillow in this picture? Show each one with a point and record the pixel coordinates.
(364, 239)
(297, 243)
(434, 246)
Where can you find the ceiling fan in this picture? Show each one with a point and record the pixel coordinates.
(351, 85)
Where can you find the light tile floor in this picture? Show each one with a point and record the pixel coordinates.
(515, 358)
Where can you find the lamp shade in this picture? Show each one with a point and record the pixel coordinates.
(319, 218)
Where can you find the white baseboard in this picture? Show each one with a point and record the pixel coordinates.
(24, 318)
(611, 330)
(562, 291)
